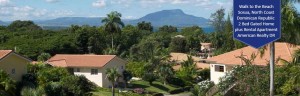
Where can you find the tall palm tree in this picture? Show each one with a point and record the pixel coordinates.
(112, 75)
(112, 24)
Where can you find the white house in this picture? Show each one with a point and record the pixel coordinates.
(91, 66)
(223, 63)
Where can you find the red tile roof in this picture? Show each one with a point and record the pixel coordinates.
(180, 57)
(282, 50)
(86, 60)
(3, 53)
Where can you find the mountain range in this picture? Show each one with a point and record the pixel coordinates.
(175, 17)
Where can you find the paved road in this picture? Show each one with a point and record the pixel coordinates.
(182, 94)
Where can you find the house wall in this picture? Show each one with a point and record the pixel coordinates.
(117, 63)
(18, 63)
(100, 78)
(215, 75)
(96, 78)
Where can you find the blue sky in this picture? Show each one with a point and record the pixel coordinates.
(130, 9)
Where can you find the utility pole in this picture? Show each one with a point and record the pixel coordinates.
(272, 59)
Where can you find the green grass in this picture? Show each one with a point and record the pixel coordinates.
(102, 92)
(155, 87)
(107, 92)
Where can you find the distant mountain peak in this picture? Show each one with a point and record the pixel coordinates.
(175, 17)
(173, 11)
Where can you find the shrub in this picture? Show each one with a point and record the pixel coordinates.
(129, 94)
(204, 74)
(7, 85)
(29, 80)
(202, 87)
(27, 91)
(176, 91)
(54, 74)
(136, 68)
(53, 89)
(77, 85)
(150, 77)
(157, 94)
(226, 81)
(175, 81)
(187, 88)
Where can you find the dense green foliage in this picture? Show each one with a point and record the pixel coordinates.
(146, 51)
(77, 86)
(187, 73)
(202, 87)
(43, 79)
(7, 85)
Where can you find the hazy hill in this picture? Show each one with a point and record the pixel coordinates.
(174, 17)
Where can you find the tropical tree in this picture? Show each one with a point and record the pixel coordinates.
(188, 72)
(150, 77)
(7, 85)
(178, 44)
(43, 57)
(126, 76)
(112, 24)
(217, 20)
(112, 75)
(145, 26)
(292, 74)
(168, 29)
(165, 71)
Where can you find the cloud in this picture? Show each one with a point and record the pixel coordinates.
(4, 2)
(61, 13)
(52, 1)
(29, 13)
(125, 3)
(180, 1)
(129, 17)
(151, 3)
(99, 3)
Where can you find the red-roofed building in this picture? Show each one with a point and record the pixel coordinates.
(223, 63)
(181, 57)
(91, 66)
(13, 64)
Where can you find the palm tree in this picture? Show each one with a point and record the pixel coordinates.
(112, 75)
(292, 67)
(112, 24)
(7, 85)
(165, 71)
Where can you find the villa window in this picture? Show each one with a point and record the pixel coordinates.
(13, 71)
(122, 67)
(94, 71)
(219, 68)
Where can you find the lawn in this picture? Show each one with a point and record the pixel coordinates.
(107, 92)
(155, 87)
